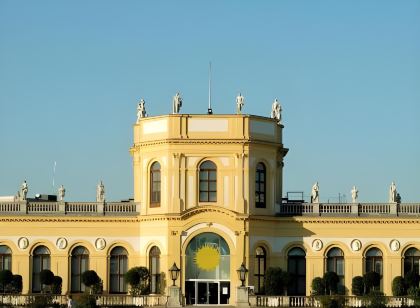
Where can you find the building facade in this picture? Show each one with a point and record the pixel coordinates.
(208, 197)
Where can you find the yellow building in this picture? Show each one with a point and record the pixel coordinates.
(208, 197)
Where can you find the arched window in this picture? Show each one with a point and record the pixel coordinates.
(259, 269)
(374, 262)
(79, 264)
(296, 266)
(335, 263)
(118, 267)
(411, 261)
(260, 186)
(40, 261)
(155, 185)
(5, 258)
(154, 269)
(208, 182)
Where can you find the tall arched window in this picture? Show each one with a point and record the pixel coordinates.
(40, 261)
(155, 185)
(260, 186)
(79, 264)
(154, 269)
(5, 258)
(259, 269)
(374, 262)
(208, 182)
(411, 261)
(296, 266)
(335, 263)
(118, 267)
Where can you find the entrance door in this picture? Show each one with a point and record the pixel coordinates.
(207, 293)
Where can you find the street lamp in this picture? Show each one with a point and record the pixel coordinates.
(242, 271)
(174, 270)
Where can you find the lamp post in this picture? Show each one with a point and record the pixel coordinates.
(242, 272)
(174, 270)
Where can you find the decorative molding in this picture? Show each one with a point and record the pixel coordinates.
(23, 243)
(100, 243)
(356, 245)
(61, 243)
(317, 245)
(394, 245)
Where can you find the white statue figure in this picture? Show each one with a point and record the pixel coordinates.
(100, 192)
(141, 110)
(392, 193)
(61, 193)
(276, 111)
(315, 193)
(23, 191)
(354, 194)
(176, 103)
(239, 103)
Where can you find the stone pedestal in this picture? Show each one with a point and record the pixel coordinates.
(174, 298)
(242, 297)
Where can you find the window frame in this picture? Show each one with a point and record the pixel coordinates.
(155, 172)
(79, 257)
(207, 181)
(39, 257)
(259, 275)
(119, 274)
(154, 259)
(261, 183)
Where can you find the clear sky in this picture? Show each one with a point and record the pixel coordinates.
(346, 72)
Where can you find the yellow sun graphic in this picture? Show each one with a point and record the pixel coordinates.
(207, 257)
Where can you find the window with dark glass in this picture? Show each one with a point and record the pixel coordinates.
(411, 261)
(40, 261)
(118, 267)
(208, 182)
(5, 258)
(79, 264)
(335, 263)
(296, 267)
(260, 186)
(374, 262)
(154, 269)
(259, 269)
(155, 185)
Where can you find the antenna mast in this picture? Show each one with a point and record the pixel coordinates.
(209, 110)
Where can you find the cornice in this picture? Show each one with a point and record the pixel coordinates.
(187, 141)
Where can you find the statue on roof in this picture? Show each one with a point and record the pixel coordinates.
(392, 193)
(141, 110)
(239, 103)
(176, 103)
(276, 111)
(315, 193)
(100, 192)
(23, 191)
(61, 193)
(354, 194)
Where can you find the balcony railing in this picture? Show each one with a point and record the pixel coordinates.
(348, 209)
(69, 208)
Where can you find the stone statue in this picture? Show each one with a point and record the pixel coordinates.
(100, 192)
(61, 193)
(315, 193)
(176, 103)
(354, 194)
(392, 193)
(276, 111)
(239, 103)
(23, 191)
(141, 110)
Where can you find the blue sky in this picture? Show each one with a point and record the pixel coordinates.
(346, 72)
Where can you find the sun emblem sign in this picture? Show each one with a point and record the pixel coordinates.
(207, 257)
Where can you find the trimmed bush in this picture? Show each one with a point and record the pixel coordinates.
(137, 277)
(90, 278)
(56, 285)
(318, 286)
(46, 277)
(411, 279)
(377, 300)
(6, 278)
(413, 291)
(16, 284)
(398, 286)
(357, 286)
(331, 282)
(371, 280)
(274, 281)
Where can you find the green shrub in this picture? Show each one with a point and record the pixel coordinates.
(89, 278)
(6, 278)
(331, 282)
(16, 284)
(274, 281)
(137, 278)
(56, 285)
(371, 280)
(413, 291)
(376, 300)
(318, 286)
(357, 286)
(46, 277)
(411, 279)
(398, 286)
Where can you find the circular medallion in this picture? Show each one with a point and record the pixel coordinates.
(61, 243)
(23, 243)
(356, 245)
(317, 245)
(100, 243)
(394, 245)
